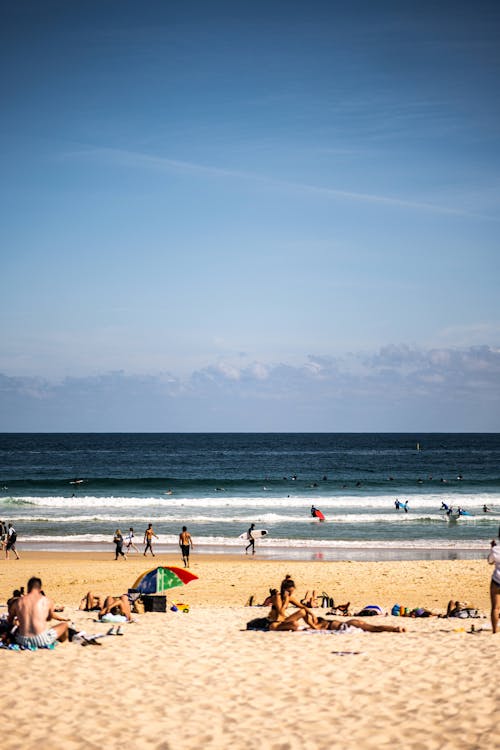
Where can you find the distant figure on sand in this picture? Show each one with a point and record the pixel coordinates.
(118, 542)
(251, 542)
(3, 534)
(185, 542)
(11, 542)
(32, 611)
(494, 559)
(129, 539)
(148, 539)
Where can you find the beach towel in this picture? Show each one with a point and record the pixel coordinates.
(112, 618)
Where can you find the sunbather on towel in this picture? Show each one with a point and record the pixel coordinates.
(320, 623)
(116, 605)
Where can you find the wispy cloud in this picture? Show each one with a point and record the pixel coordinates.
(136, 159)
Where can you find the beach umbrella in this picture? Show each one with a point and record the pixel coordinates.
(160, 579)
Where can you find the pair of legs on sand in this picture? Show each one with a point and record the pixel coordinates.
(292, 622)
(115, 605)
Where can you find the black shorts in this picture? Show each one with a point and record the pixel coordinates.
(185, 550)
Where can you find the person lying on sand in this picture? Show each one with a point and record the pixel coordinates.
(454, 608)
(111, 605)
(310, 600)
(31, 612)
(116, 605)
(91, 602)
(305, 620)
(324, 624)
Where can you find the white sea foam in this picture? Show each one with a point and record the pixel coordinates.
(79, 540)
(252, 517)
(224, 500)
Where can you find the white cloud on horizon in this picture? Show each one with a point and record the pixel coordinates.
(395, 389)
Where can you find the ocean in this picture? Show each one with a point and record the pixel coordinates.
(71, 491)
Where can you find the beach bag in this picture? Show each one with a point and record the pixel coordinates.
(138, 606)
(466, 613)
(396, 610)
(327, 601)
(259, 623)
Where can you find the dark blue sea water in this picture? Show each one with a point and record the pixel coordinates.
(217, 484)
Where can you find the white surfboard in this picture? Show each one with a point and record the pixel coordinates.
(256, 533)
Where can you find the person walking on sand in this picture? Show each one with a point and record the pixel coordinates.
(118, 541)
(32, 611)
(11, 542)
(185, 542)
(494, 559)
(130, 540)
(251, 540)
(148, 539)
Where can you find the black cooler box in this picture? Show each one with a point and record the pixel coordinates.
(154, 602)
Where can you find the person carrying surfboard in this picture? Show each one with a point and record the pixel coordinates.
(251, 540)
(316, 513)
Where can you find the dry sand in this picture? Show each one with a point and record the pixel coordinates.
(198, 680)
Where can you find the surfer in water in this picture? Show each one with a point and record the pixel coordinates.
(316, 513)
(251, 540)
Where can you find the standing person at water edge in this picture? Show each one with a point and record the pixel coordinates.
(3, 534)
(148, 539)
(130, 540)
(185, 542)
(118, 541)
(251, 542)
(494, 559)
(11, 542)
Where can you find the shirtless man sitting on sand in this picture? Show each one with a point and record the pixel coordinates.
(31, 612)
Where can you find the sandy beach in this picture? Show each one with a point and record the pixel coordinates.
(200, 680)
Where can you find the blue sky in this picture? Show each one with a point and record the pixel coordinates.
(223, 216)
